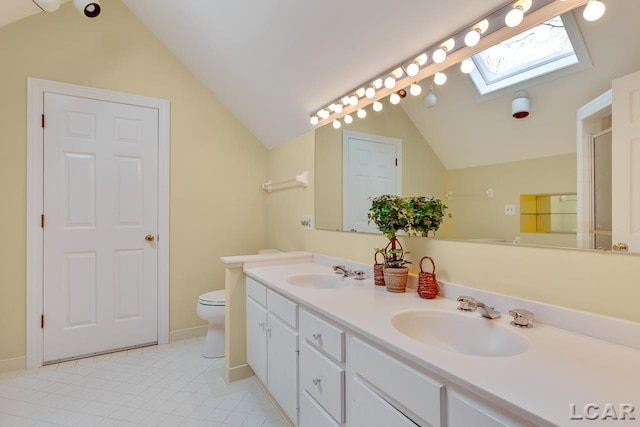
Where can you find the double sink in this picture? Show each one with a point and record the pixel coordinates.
(464, 333)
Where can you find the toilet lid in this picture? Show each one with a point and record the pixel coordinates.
(213, 298)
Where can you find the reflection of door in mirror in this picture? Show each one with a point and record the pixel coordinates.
(601, 144)
(371, 167)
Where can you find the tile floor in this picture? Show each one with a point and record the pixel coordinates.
(169, 385)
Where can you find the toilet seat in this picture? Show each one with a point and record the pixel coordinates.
(214, 298)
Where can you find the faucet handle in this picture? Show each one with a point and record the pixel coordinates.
(467, 303)
(521, 318)
(339, 269)
(360, 274)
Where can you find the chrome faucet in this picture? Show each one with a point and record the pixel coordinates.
(470, 304)
(341, 269)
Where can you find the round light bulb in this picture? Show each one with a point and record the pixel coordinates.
(389, 82)
(467, 66)
(439, 55)
(336, 124)
(324, 114)
(345, 100)
(361, 113)
(514, 17)
(415, 89)
(337, 108)
(429, 100)
(394, 98)
(348, 119)
(370, 92)
(377, 83)
(440, 78)
(594, 10)
(412, 69)
(314, 120)
(377, 106)
(472, 38)
(353, 100)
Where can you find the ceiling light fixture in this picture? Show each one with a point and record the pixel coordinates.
(89, 8)
(516, 15)
(496, 24)
(594, 10)
(440, 54)
(473, 37)
(429, 99)
(47, 5)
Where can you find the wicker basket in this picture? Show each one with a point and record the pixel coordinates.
(427, 283)
(378, 268)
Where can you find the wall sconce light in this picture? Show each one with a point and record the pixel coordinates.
(47, 5)
(520, 105)
(594, 10)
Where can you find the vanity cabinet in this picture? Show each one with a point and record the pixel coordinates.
(466, 410)
(385, 389)
(272, 344)
(322, 372)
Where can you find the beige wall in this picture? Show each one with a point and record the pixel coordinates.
(217, 165)
(598, 282)
(476, 217)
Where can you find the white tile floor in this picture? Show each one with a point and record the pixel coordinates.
(169, 385)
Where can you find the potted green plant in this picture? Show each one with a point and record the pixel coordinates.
(413, 215)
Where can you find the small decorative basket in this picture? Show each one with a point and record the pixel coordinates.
(427, 283)
(378, 268)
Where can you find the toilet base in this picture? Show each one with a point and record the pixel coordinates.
(214, 342)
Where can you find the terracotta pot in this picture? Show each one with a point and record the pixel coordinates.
(395, 279)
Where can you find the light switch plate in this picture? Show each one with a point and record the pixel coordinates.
(509, 209)
(306, 222)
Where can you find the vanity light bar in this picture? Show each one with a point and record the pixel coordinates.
(491, 30)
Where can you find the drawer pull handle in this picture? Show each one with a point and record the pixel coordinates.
(261, 324)
(316, 336)
(316, 381)
(267, 330)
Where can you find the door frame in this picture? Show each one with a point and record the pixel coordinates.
(35, 192)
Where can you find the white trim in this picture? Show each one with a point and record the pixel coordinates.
(588, 123)
(35, 106)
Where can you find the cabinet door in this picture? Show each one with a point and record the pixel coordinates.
(282, 365)
(368, 409)
(257, 339)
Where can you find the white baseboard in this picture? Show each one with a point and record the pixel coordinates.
(188, 333)
(13, 364)
(237, 373)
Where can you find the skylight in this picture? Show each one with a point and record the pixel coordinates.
(553, 45)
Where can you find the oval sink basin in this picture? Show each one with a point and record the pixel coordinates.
(466, 333)
(319, 281)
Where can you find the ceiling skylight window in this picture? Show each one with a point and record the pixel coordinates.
(551, 46)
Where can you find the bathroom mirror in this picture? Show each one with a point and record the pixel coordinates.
(468, 149)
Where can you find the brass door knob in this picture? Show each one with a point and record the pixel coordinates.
(621, 247)
(150, 237)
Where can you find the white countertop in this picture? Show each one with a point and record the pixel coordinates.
(558, 369)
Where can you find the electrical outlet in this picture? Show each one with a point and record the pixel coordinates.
(306, 223)
(509, 209)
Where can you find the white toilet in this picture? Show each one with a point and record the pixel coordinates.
(211, 308)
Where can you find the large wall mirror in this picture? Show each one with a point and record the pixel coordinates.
(468, 149)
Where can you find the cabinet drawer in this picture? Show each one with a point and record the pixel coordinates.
(465, 411)
(399, 383)
(323, 380)
(322, 335)
(312, 414)
(283, 308)
(257, 291)
(368, 409)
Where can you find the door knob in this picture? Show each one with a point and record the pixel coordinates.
(150, 237)
(621, 247)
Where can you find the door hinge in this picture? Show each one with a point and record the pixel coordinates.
(43, 120)
(396, 159)
(42, 321)
(42, 220)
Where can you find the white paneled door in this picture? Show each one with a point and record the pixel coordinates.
(625, 171)
(100, 226)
